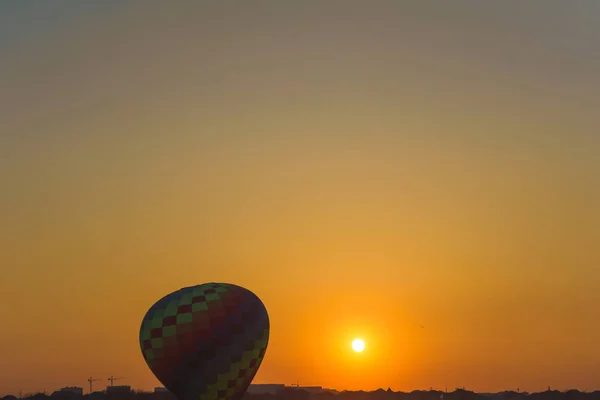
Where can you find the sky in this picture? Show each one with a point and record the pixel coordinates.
(420, 174)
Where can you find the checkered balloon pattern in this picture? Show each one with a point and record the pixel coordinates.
(206, 342)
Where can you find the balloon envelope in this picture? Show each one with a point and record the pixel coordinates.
(206, 342)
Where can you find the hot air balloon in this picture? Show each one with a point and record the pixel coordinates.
(206, 342)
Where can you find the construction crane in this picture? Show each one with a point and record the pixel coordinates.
(112, 379)
(90, 380)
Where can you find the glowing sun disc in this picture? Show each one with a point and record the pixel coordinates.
(358, 345)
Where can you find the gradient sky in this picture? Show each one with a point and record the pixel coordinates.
(365, 167)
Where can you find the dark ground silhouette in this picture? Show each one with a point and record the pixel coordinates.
(299, 394)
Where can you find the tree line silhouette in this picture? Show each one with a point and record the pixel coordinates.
(299, 394)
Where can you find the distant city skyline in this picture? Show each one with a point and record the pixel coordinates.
(274, 388)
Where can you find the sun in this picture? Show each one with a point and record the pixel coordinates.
(358, 345)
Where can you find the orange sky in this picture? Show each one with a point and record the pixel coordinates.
(363, 169)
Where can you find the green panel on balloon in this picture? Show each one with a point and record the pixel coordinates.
(148, 354)
(170, 310)
(157, 322)
(184, 318)
(185, 299)
(169, 331)
(145, 334)
(212, 297)
(199, 306)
